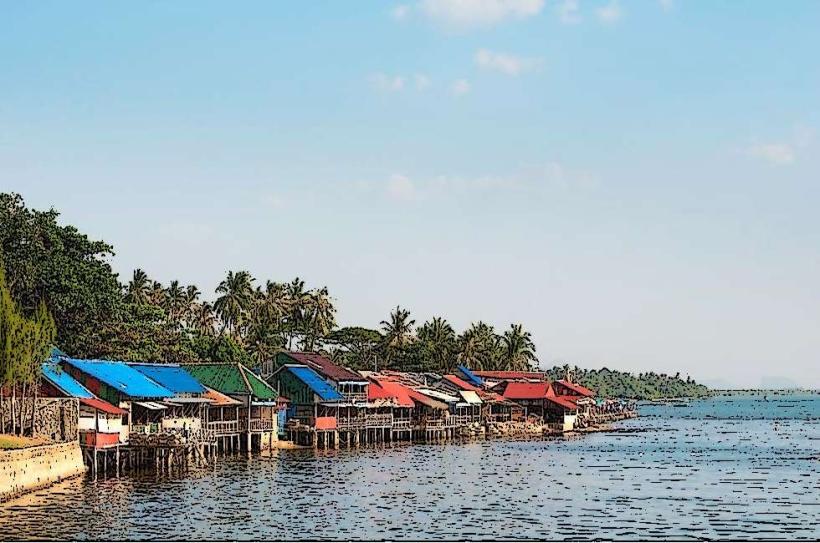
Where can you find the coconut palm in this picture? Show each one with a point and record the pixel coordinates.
(138, 290)
(298, 302)
(236, 297)
(175, 301)
(479, 347)
(320, 317)
(204, 319)
(156, 294)
(517, 349)
(398, 331)
(439, 341)
(274, 304)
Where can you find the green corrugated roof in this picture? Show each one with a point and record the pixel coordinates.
(230, 378)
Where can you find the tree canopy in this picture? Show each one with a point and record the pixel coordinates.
(57, 270)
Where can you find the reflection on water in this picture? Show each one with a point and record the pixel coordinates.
(670, 474)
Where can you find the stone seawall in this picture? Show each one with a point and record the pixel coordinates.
(23, 470)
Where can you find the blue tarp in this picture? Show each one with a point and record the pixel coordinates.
(64, 382)
(319, 386)
(173, 377)
(470, 377)
(121, 377)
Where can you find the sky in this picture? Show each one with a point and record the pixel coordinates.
(636, 182)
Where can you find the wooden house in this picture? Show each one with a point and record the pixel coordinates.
(351, 385)
(257, 412)
(353, 410)
(187, 409)
(100, 424)
(540, 402)
(390, 398)
(313, 402)
(223, 414)
(471, 409)
(122, 386)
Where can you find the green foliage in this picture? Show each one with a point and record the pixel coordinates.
(644, 386)
(354, 346)
(439, 348)
(58, 265)
(217, 349)
(142, 333)
(25, 340)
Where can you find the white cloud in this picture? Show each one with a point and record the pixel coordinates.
(402, 188)
(533, 182)
(387, 83)
(775, 153)
(610, 13)
(474, 13)
(569, 12)
(506, 64)
(667, 5)
(422, 82)
(460, 87)
(400, 12)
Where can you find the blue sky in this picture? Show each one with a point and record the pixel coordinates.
(636, 182)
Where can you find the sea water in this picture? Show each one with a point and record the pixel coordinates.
(740, 467)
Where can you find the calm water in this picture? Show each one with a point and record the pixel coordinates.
(731, 468)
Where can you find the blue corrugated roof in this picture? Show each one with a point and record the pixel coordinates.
(64, 382)
(319, 386)
(121, 377)
(173, 377)
(471, 377)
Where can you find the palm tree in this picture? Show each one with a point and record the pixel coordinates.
(236, 296)
(156, 294)
(479, 347)
(274, 304)
(397, 332)
(320, 317)
(174, 302)
(518, 349)
(138, 290)
(439, 340)
(298, 302)
(204, 319)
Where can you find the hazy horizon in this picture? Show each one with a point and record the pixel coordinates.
(637, 184)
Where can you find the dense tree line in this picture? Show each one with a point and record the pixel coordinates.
(644, 386)
(97, 316)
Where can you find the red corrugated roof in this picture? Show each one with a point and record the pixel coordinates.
(511, 375)
(326, 367)
(578, 389)
(103, 406)
(528, 391)
(564, 401)
(461, 383)
(387, 390)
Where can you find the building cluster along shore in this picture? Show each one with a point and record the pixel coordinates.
(128, 416)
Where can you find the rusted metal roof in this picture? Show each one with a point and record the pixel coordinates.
(578, 389)
(219, 399)
(100, 405)
(427, 400)
(325, 366)
(460, 383)
(512, 375)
